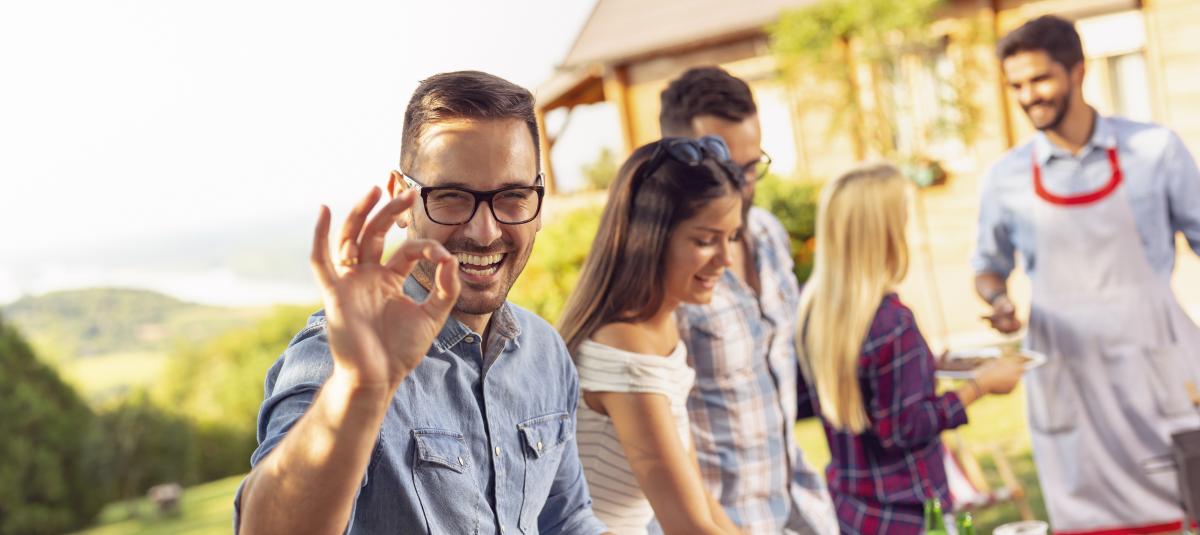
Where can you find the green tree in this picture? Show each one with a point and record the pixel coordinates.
(600, 173)
(856, 46)
(218, 387)
(146, 446)
(553, 267)
(49, 467)
(795, 204)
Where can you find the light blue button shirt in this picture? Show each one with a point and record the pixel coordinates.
(469, 444)
(1160, 175)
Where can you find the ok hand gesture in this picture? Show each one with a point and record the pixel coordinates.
(377, 334)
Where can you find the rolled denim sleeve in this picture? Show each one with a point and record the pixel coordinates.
(291, 386)
(994, 248)
(1183, 191)
(568, 509)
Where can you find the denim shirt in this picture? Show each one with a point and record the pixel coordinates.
(469, 444)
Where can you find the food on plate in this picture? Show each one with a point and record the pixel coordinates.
(965, 362)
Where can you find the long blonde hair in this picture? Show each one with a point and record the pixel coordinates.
(861, 254)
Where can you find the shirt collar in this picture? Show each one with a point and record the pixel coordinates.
(1103, 137)
(504, 323)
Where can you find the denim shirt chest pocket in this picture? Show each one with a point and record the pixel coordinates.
(543, 439)
(444, 479)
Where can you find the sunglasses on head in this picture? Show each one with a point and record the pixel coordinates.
(687, 151)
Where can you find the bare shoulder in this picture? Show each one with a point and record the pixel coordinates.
(635, 338)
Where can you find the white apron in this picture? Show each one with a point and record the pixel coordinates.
(1121, 352)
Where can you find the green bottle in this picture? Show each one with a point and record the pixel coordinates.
(965, 525)
(935, 523)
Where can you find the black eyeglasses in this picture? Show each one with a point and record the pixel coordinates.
(758, 168)
(510, 205)
(689, 152)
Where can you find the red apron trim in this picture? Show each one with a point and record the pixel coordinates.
(1153, 528)
(1077, 200)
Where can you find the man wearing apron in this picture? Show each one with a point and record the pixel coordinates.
(1093, 205)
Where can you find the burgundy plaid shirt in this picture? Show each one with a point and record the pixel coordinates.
(880, 478)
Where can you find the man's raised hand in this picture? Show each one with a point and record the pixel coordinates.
(377, 334)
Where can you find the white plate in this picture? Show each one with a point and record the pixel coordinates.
(1035, 359)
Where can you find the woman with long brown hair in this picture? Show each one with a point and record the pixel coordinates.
(665, 238)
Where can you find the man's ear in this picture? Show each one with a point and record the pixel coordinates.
(1077, 73)
(396, 186)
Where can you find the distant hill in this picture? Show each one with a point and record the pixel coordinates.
(71, 324)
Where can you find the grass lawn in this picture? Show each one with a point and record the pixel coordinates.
(108, 375)
(996, 420)
(206, 509)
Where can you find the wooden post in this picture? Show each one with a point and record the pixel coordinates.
(616, 92)
(547, 145)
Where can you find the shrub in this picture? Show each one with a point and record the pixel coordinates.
(795, 204)
(48, 461)
(553, 268)
(598, 174)
(146, 446)
(218, 387)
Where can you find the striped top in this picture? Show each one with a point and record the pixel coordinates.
(616, 498)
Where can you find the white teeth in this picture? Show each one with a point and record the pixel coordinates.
(477, 260)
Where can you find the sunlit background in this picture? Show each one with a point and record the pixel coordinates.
(162, 162)
(185, 147)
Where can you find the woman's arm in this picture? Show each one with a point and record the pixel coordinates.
(718, 513)
(663, 467)
(905, 410)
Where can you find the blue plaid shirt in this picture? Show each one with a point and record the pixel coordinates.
(743, 406)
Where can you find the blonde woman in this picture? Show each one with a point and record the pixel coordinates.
(870, 374)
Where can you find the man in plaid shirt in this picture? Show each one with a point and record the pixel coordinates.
(742, 344)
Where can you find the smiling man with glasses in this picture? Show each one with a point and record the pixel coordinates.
(420, 400)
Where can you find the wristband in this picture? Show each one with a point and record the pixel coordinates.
(975, 385)
(991, 299)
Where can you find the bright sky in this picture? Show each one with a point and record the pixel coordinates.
(183, 146)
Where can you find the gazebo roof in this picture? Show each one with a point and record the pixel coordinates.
(619, 30)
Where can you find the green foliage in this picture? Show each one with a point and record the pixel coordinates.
(48, 461)
(103, 379)
(795, 204)
(146, 446)
(553, 268)
(825, 39)
(80, 323)
(601, 172)
(218, 386)
(969, 80)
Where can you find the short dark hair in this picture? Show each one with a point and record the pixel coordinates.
(1053, 35)
(472, 95)
(703, 91)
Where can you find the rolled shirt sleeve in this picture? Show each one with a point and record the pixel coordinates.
(291, 386)
(1183, 191)
(994, 247)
